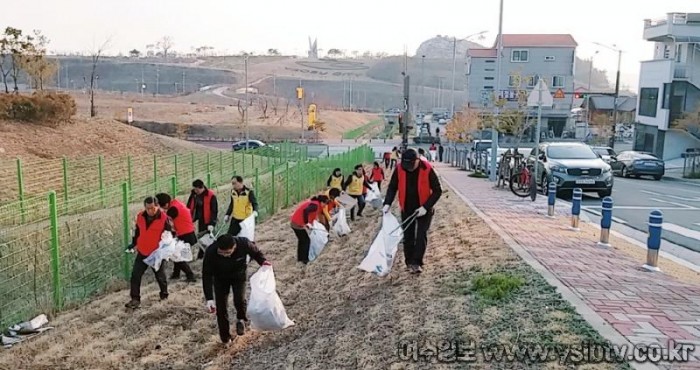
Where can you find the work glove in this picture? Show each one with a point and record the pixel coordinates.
(267, 263)
(211, 306)
(227, 218)
(420, 212)
(308, 227)
(386, 208)
(210, 228)
(130, 248)
(255, 214)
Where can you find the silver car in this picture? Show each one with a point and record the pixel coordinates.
(570, 166)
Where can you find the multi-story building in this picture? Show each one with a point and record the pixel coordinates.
(525, 59)
(669, 85)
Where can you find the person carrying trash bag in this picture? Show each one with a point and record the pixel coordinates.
(150, 225)
(243, 204)
(335, 180)
(418, 189)
(301, 222)
(184, 230)
(377, 175)
(204, 208)
(224, 270)
(354, 186)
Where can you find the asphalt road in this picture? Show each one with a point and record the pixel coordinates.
(634, 199)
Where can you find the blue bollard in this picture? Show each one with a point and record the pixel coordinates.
(656, 220)
(606, 222)
(552, 192)
(576, 208)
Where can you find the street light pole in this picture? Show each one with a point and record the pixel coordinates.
(494, 129)
(617, 89)
(245, 111)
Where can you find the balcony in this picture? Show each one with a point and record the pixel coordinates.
(687, 72)
(676, 27)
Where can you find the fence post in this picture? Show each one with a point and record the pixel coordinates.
(606, 222)
(64, 163)
(129, 179)
(155, 173)
(101, 179)
(173, 186)
(209, 180)
(243, 167)
(208, 162)
(20, 184)
(176, 162)
(298, 181)
(221, 166)
(286, 186)
(274, 193)
(552, 197)
(656, 221)
(55, 253)
(257, 181)
(233, 164)
(192, 166)
(125, 227)
(268, 160)
(576, 208)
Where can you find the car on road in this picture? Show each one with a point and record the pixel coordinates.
(632, 163)
(252, 144)
(605, 152)
(572, 165)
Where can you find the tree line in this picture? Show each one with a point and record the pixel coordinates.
(25, 53)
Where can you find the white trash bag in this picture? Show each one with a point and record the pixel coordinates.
(169, 249)
(265, 309)
(340, 223)
(374, 196)
(248, 228)
(319, 239)
(206, 240)
(382, 252)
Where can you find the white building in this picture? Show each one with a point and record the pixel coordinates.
(669, 85)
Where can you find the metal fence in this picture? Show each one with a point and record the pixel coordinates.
(691, 164)
(58, 258)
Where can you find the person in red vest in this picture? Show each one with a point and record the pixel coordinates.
(204, 209)
(184, 230)
(377, 175)
(150, 225)
(418, 188)
(303, 216)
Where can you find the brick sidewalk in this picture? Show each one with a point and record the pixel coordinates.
(643, 307)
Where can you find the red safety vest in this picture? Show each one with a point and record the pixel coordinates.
(206, 213)
(377, 174)
(183, 222)
(424, 189)
(149, 237)
(298, 215)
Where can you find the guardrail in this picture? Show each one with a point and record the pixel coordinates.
(691, 164)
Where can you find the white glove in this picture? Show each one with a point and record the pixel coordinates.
(255, 214)
(386, 208)
(211, 306)
(421, 211)
(227, 218)
(210, 228)
(308, 226)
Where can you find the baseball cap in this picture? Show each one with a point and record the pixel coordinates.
(408, 158)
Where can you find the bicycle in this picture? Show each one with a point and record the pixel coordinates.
(522, 181)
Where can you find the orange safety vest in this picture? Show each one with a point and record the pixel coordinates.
(424, 189)
(206, 212)
(149, 237)
(298, 215)
(183, 222)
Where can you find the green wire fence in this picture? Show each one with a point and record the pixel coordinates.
(59, 250)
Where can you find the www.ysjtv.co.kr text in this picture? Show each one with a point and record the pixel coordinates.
(448, 351)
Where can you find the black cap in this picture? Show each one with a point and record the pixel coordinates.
(408, 158)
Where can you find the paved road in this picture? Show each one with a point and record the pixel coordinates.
(635, 198)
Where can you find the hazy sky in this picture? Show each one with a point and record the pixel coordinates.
(376, 25)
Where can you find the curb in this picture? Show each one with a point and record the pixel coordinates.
(685, 181)
(597, 322)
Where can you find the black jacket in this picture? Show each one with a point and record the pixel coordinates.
(412, 189)
(198, 211)
(216, 267)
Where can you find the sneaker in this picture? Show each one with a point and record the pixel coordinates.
(418, 269)
(163, 296)
(191, 279)
(413, 269)
(133, 304)
(226, 343)
(240, 327)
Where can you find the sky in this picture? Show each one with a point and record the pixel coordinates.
(374, 25)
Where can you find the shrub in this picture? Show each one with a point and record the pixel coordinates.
(496, 286)
(42, 108)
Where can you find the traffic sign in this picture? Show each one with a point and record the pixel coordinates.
(534, 98)
(559, 94)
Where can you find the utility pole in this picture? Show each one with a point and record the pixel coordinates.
(274, 84)
(494, 129)
(245, 111)
(406, 109)
(454, 70)
(183, 81)
(157, 79)
(422, 79)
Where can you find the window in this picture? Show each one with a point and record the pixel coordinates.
(490, 61)
(488, 87)
(513, 81)
(488, 78)
(558, 81)
(666, 102)
(532, 80)
(489, 70)
(549, 58)
(519, 56)
(648, 99)
(571, 152)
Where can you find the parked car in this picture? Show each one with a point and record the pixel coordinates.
(252, 144)
(605, 152)
(631, 163)
(572, 165)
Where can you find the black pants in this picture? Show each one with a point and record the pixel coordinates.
(190, 238)
(303, 245)
(379, 184)
(386, 163)
(234, 228)
(221, 292)
(393, 163)
(360, 206)
(440, 156)
(137, 272)
(415, 238)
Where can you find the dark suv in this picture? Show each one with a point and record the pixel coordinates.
(570, 166)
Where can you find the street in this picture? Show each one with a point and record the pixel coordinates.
(634, 199)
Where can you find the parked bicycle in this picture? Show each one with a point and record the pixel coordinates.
(522, 183)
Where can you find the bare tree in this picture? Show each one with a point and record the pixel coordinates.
(275, 102)
(241, 111)
(95, 58)
(262, 102)
(165, 44)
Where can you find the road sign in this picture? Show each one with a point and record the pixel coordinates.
(534, 97)
(559, 94)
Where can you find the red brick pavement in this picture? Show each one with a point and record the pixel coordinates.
(644, 307)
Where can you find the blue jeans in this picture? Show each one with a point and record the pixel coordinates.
(360, 206)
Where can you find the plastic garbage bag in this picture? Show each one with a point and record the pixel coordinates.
(265, 309)
(346, 201)
(206, 240)
(182, 252)
(382, 252)
(169, 249)
(340, 223)
(319, 239)
(248, 228)
(374, 196)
